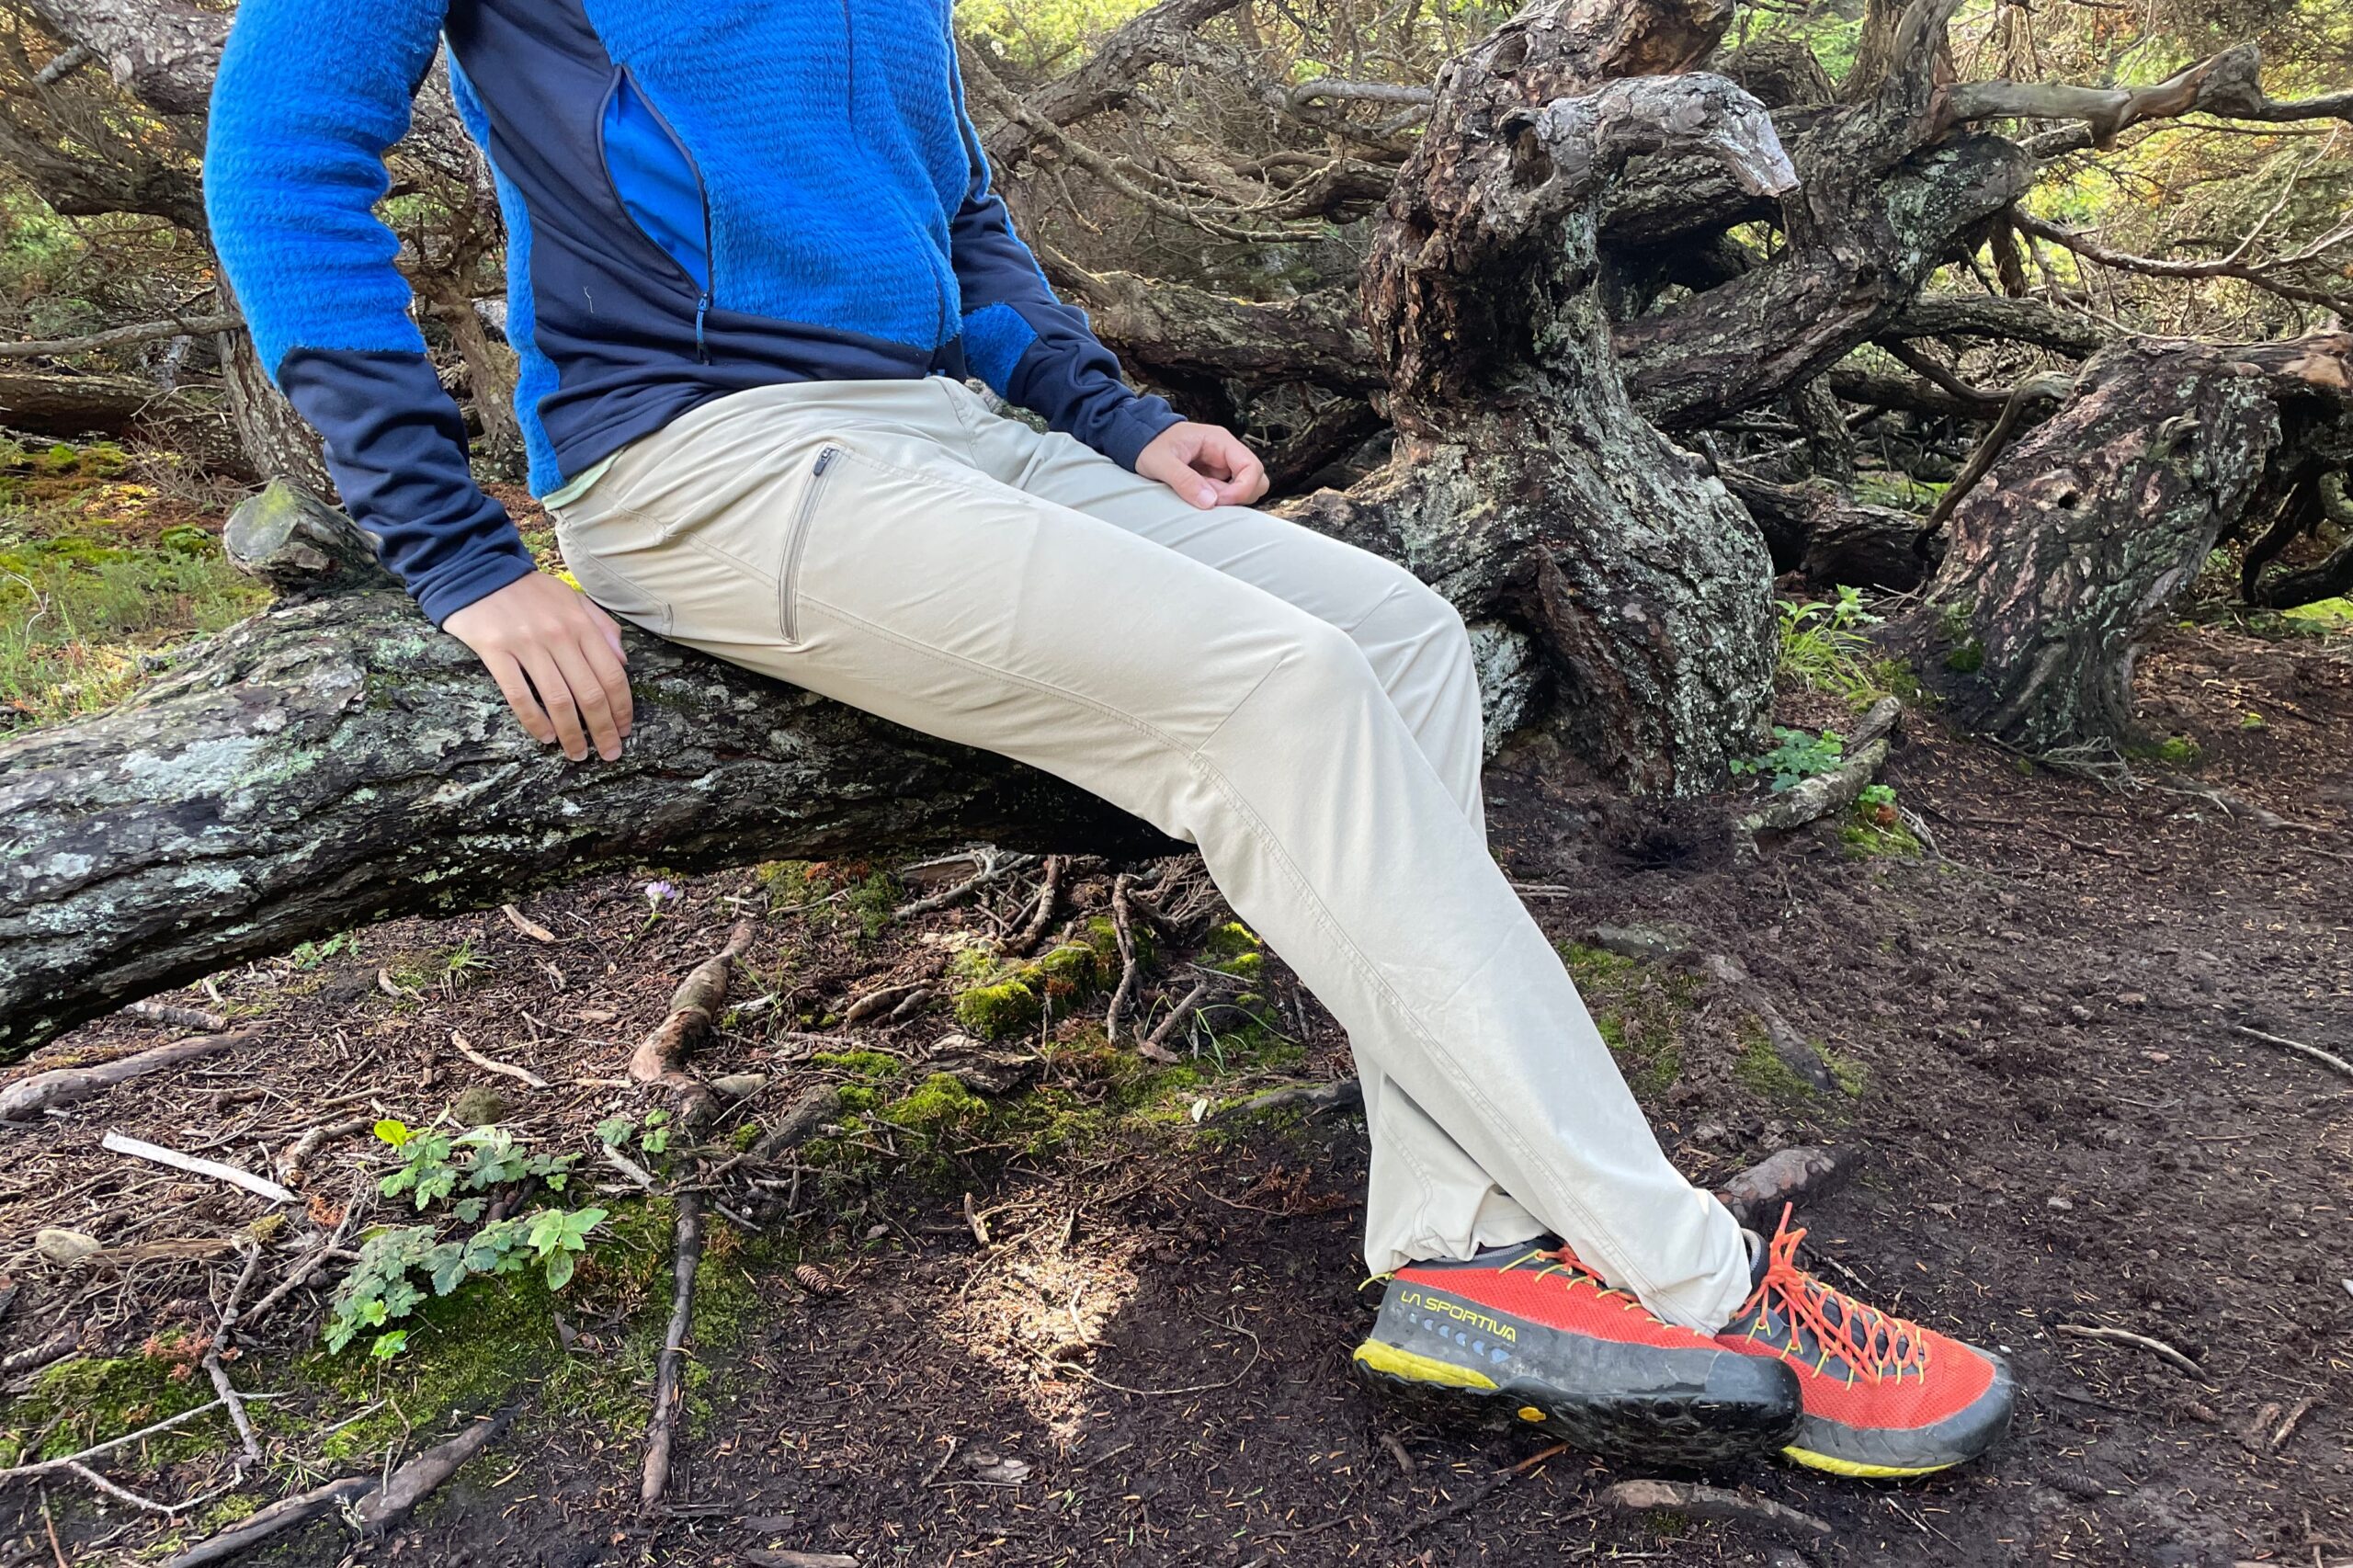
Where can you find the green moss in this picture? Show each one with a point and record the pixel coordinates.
(1865, 836)
(865, 1064)
(96, 1398)
(1966, 658)
(997, 1011)
(1069, 970)
(2173, 751)
(937, 1109)
(1760, 1069)
(1591, 966)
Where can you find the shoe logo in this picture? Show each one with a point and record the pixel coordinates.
(1468, 1316)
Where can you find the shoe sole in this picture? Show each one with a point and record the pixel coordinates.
(1677, 1427)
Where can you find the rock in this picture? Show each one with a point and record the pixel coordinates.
(739, 1086)
(66, 1249)
(1652, 944)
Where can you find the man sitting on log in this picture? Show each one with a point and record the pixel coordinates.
(753, 256)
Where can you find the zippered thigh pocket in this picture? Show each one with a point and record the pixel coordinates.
(796, 543)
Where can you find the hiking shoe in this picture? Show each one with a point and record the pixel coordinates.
(1529, 1336)
(1882, 1397)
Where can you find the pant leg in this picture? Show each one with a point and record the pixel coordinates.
(1426, 1197)
(841, 537)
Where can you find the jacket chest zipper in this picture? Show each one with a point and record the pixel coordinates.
(787, 589)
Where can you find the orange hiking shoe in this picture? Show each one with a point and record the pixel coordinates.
(1882, 1397)
(1527, 1336)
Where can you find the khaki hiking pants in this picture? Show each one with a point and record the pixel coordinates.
(1303, 711)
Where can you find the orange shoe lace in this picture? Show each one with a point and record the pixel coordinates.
(1824, 1324)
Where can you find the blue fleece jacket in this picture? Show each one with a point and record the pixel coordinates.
(701, 196)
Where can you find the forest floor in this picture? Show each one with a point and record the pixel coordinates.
(2033, 1027)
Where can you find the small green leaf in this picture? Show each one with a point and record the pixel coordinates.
(390, 1345)
(559, 1271)
(395, 1132)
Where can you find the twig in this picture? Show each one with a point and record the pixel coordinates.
(29, 1097)
(46, 1467)
(1122, 928)
(993, 865)
(301, 1270)
(1714, 1503)
(628, 1168)
(178, 1018)
(120, 336)
(290, 1164)
(668, 1373)
(139, 1148)
(1343, 1094)
(2139, 1341)
(219, 1373)
(1155, 1044)
(2333, 1062)
(768, 1557)
(1256, 1349)
(978, 1227)
(279, 1517)
(522, 1076)
(1477, 1494)
(661, 1056)
(526, 924)
(1050, 891)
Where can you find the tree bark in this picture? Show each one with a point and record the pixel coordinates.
(2081, 535)
(1525, 483)
(334, 761)
(47, 403)
(275, 443)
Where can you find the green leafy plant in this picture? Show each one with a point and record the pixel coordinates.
(615, 1131)
(1795, 757)
(1825, 644)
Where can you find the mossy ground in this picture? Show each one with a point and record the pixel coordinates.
(1641, 1009)
(97, 571)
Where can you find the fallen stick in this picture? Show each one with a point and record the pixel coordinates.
(290, 1164)
(522, 1076)
(1477, 1494)
(2158, 1347)
(178, 1018)
(881, 1000)
(27, 1098)
(1818, 797)
(139, 1148)
(219, 1373)
(800, 1122)
(2327, 1059)
(669, 1381)
(1756, 1195)
(47, 1467)
(319, 1248)
(284, 1514)
(765, 1557)
(1695, 1500)
(1122, 928)
(526, 924)
(1155, 1044)
(1050, 893)
(388, 1505)
(1313, 1098)
(993, 865)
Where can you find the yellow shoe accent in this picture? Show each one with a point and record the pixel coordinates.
(1860, 1471)
(1379, 1357)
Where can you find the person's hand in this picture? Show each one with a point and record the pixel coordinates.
(556, 658)
(1206, 464)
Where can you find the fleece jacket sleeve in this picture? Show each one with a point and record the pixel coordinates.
(310, 96)
(1030, 348)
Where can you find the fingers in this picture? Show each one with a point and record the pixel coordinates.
(555, 696)
(609, 628)
(1246, 478)
(606, 665)
(517, 692)
(590, 697)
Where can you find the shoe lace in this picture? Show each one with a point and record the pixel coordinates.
(1575, 1271)
(1826, 1324)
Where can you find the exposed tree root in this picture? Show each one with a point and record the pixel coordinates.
(660, 1058)
(669, 1372)
(27, 1098)
(1756, 1195)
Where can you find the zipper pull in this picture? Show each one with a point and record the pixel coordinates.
(702, 308)
(825, 460)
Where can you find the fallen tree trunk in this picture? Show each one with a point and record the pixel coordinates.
(334, 761)
(2081, 535)
(50, 403)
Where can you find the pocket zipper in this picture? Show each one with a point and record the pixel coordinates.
(788, 583)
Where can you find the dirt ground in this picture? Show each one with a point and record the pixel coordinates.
(1147, 1364)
